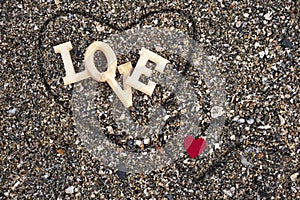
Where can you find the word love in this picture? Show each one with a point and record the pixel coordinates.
(130, 77)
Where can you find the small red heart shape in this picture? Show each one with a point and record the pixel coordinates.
(194, 146)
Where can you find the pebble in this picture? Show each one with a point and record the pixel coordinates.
(228, 193)
(287, 43)
(217, 111)
(294, 176)
(16, 185)
(169, 197)
(121, 172)
(70, 190)
(146, 193)
(138, 142)
(282, 120)
(256, 44)
(246, 15)
(238, 24)
(261, 54)
(268, 16)
(250, 121)
(245, 162)
(12, 111)
(110, 129)
(146, 141)
(241, 121)
(264, 127)
(294, 189)
(236, 118)
(166, 117)
(46, 176)
(217, 146)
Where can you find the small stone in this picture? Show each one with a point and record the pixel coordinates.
(130, 143)
(12, 111)
(170, 197)
(100, 28)
(60, 151)
(250, 121)
(232, 137)
(241, 121)
(266, 51)
(110, 129)
(282, 121)
(70, 190)
(16, 185)
(138, 142)
(268, 16)
(121, 171)
(294, 189)
(227, 192)
(6, 193)
(46, 176)
(186, 161)
(166, 117)
(121, 174)
(256, 44)
(287, 43)
(232, 189)
(264, 127)
(216, 111)
(246, 15)
(261, 54)
(238, 24)
(246, 162)
(146, 193)
(260, 155)
(294, 177)
(264, 80)
(236, 118)
(146, 141)
(217, 146)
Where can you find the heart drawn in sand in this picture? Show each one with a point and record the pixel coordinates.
(194, 146)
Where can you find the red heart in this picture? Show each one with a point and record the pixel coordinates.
(194, 146)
